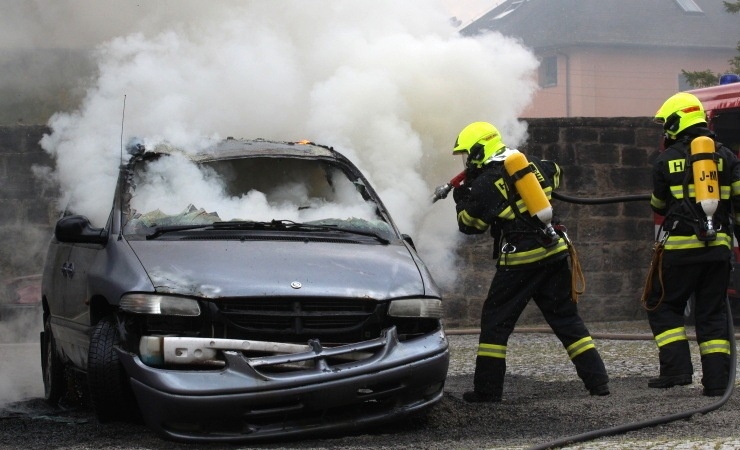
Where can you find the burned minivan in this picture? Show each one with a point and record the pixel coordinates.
(254, 290)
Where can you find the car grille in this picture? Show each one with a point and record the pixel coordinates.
(339, 320)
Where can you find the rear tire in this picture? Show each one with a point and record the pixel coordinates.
(52, 367)
(110, 391)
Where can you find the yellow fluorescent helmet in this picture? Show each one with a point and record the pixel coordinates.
(474, 133)
(480, 140)
(679, 112)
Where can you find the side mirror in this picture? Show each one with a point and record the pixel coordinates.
(77, 229)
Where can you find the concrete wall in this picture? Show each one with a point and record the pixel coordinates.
(600, 158)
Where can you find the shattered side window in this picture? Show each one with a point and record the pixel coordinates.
(173, 190)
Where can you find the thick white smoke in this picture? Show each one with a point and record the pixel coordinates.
(390, 84)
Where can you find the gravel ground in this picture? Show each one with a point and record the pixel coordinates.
(543, 402)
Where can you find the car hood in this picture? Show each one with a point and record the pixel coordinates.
(232, 268)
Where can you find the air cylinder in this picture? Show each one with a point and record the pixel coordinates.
(706, 179)
(528, 187)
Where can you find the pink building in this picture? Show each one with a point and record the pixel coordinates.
(611, 58)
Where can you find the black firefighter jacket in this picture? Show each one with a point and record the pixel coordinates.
(491, 200)
(673, 197)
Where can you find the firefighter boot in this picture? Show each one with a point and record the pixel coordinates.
(478, 397)
(600, 390)
(590, 368)
(488, 380)
(675, 359)
(715, 369)
(668, 381)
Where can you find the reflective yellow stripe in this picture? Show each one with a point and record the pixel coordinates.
(724, 191)
(672, 335)
(677, 191)
(736, 188)
(492, 350)
(471, 221)
(714, 346)
(507, 214)
(656, 202)
(687, 242)
(530, 256)
(580, 346)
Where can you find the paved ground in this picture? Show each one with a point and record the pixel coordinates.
(543, 403)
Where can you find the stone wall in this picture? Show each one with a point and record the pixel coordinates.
(600, 158)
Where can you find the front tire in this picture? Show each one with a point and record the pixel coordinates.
(52, 367)
(110, 391)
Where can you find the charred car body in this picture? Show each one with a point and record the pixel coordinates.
(237, 324)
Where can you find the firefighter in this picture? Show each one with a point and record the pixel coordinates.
(695, 244)
(532, 261)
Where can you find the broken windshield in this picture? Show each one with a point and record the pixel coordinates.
(176, 193)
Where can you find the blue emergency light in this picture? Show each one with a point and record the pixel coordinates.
(729, 78)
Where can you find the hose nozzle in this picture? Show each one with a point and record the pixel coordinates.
(441, 192)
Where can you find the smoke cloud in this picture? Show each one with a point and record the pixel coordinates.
(389, 84)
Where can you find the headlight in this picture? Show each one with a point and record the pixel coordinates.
(159, 304)
(416, 307)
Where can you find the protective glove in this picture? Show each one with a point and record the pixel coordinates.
(461, 194)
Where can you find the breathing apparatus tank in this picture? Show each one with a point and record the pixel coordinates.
(531, 192)
(706, 181)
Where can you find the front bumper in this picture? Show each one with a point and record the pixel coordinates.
(243, 402)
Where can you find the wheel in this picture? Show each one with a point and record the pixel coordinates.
(52, 367)
(110, 391)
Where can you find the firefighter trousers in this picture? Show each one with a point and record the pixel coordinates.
(707, 282)
(550, 287)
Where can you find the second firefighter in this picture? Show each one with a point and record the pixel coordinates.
(532, 258)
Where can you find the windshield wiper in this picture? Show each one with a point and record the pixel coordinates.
(284, 224)
(160, 230)
(255, 225)
(375, 236)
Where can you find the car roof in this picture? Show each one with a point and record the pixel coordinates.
(231, 148)
(236, 148)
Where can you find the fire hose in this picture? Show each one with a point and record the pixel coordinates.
(624, 428)
(442, 191)
(578, 283)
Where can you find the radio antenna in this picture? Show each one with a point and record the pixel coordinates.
(120, 185)
(123, 116)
